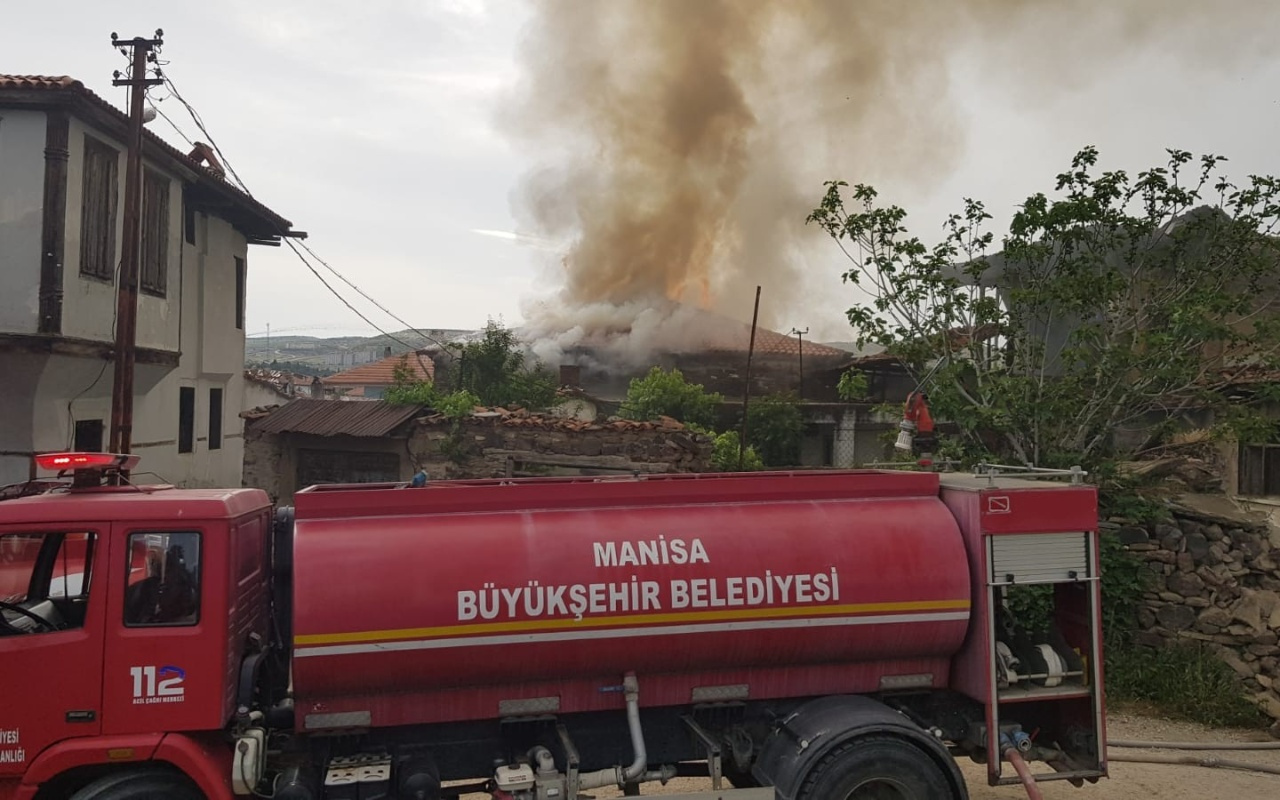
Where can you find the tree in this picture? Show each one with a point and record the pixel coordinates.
(1118, 303)
(725, 454)
(663, 393)
(494, 369)
(775, 428)
(407, 389)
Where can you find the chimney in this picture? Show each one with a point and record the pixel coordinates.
(317, 388)
(386, 353)
(570, 376)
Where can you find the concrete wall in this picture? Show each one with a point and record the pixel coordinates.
(195, 321)
(256, 395)
(21, 198)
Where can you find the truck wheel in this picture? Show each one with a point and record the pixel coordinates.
(876, 768)
(140, 785)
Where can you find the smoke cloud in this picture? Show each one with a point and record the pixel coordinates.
(679, 144)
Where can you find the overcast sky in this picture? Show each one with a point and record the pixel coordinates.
(370, 125)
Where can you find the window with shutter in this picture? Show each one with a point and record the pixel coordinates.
(155, 233)
(1259, 470)
(99, 194)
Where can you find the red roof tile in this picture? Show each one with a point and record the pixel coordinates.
(17, 90)
(703, 331)
(39, 82)
(382, 372)
(773, 343)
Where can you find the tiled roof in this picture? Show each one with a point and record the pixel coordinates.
(45, 90)
(39, 82)
(286, 383)
(695, 331)
(334, 418)
(382, 372)
(773, 343)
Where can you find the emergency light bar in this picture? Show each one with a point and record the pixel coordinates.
(70, 462)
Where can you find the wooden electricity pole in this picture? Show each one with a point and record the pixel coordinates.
(131, 244)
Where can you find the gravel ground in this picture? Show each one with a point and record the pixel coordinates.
(1128, 781)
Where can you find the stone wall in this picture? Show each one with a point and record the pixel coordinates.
(263, 462)
(1215, 579)
(501, 443)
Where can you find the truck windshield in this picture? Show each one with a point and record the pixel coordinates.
(44, 580)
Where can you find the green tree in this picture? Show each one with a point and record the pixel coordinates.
(853, 386)
(775, 428)
(494, 369)
(1117, 302)
(725, 453)
(663, 393)
(407, 389)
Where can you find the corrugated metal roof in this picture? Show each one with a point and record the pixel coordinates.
(336, 418)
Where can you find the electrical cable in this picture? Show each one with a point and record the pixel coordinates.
(344, 300)
(443, 347)
(195, 117)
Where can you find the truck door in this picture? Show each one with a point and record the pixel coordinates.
(161, 667)
(52, 607)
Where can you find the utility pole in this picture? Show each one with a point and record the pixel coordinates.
(800, 334)
(143, 52)
(746, 388)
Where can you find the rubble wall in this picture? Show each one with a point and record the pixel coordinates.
(1216, 581)
(511, 444)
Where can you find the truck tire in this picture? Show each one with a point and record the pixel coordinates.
(140, 785)
(876, 768)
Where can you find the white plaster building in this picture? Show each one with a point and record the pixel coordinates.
(62, 170)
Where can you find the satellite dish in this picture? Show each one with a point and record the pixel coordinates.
(148, 114)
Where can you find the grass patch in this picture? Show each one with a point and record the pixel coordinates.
(1186, 681)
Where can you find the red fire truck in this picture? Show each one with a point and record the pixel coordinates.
(809, 635)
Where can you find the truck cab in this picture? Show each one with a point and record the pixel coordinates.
(126, 613)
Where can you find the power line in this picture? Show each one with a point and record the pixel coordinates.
(344, 300)
(195, 117)
(443, 347)
(172, 124)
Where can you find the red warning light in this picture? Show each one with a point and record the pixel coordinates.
(64, 462)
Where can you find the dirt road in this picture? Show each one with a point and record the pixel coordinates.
(1128, 781)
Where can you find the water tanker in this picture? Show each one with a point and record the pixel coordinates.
(838, 634)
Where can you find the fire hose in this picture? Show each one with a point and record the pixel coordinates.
(1024, 773)
(1194, 760)
(1014, 755)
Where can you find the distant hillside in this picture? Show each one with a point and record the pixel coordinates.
(314, 353)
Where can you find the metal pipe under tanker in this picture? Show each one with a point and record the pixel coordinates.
(410, 606)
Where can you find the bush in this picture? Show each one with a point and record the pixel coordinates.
(775, 428)
(406, 389)
(1185, 680)
(724, 454)
(663, 393)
